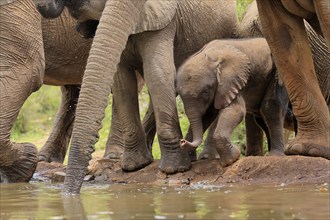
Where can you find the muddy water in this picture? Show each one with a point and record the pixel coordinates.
(201, 201)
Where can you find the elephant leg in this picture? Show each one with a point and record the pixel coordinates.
(56, 146)
(228, 119)
(254, 137)
(22, 66)
(209, 150)
(273, 110)
(149, 125)
(288, 41)
(18, 161)
(125, 98)
(262, 124)
(159, 74)
(115, 143)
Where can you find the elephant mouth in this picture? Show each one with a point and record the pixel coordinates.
(87, 28)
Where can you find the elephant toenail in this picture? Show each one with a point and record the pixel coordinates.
(169, 170)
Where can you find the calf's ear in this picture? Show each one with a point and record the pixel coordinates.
(232, 72)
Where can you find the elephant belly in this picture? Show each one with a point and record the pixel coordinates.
(199, 22)
(64, 75)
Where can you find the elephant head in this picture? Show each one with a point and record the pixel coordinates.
(118, 19)
(212, 78)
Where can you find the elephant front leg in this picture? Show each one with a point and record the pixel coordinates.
(159, 72)
(56, 146)
(228, 119)
(209, 150)
(288, 41)
(125, 98)
(18, 161)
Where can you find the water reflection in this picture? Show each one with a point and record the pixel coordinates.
(44, 201)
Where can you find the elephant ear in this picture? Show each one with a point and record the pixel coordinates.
(6, 2)
(232, 72)
(156, 14)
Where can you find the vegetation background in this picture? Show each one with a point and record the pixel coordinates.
(36, 117)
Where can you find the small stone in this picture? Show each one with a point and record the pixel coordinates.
(88, 177)
(58, 177)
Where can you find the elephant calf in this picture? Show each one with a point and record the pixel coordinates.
(231, 77)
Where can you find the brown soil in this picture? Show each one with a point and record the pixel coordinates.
(247, 170)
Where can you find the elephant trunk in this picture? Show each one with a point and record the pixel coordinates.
(109, 42)
(50, 8)
(196, 125)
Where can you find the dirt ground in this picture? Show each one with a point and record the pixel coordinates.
(247, 170)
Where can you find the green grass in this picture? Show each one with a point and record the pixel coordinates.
(36, 117)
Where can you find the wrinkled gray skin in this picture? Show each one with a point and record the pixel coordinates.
(36, 51)
(66, 54)
(250, 27)
(231, 76)
(152, 37)
(21, 69)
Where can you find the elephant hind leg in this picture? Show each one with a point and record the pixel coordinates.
(254, 136)
(125, 98)
(273, 109)
(56, 146)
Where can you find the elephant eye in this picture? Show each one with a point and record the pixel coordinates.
(205, 95)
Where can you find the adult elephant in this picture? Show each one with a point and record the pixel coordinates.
(21, 51)
(152, 37)
(250, 26)
(283, 25)
(36, 51)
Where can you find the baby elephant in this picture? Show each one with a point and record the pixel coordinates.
(231, 77)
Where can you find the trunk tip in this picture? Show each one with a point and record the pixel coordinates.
(184, 144)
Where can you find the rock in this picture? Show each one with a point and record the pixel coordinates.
(58, 177)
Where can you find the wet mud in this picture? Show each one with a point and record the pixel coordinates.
(286, 170)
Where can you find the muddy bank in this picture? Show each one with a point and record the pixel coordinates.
(248, 170)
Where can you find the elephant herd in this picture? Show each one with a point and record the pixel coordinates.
(224, 71)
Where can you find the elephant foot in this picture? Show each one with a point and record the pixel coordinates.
(174, 161)
(230, 156)
(21, 169)
(298, 147)
(135, 159)
(254, 151)
(49, 156)
(192, 155)
(275, 152)
(114, 152)
(208, 153)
